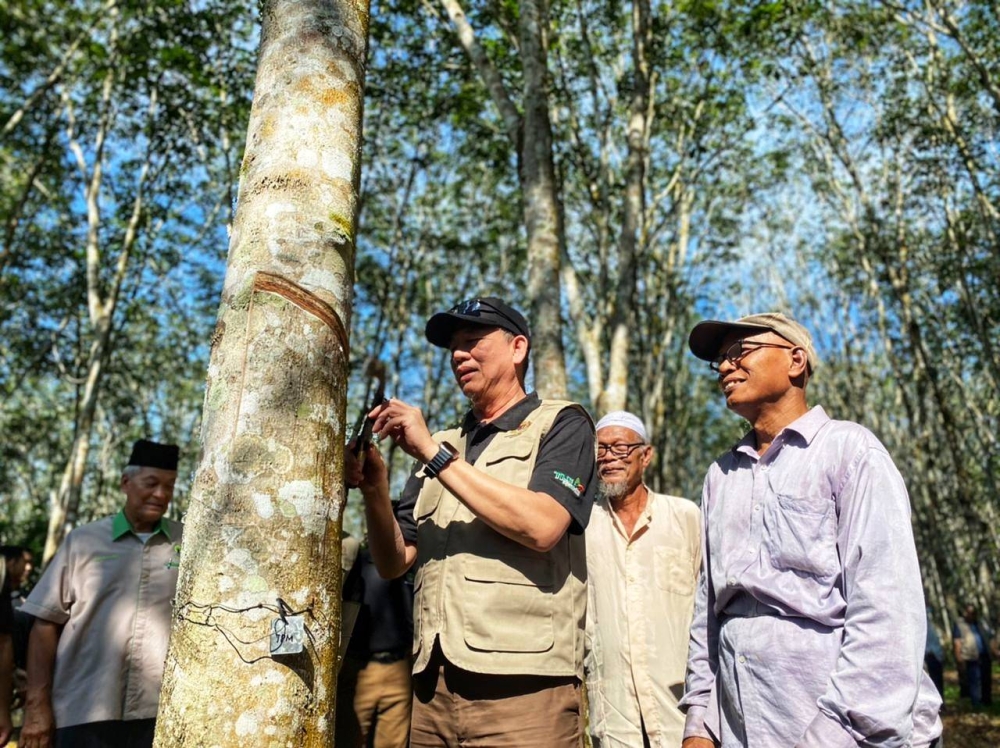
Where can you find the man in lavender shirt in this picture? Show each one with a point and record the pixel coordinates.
(809, 622)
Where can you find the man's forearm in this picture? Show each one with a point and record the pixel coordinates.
(39, 721)
(41, 663)
(390, 552)
(533, 519)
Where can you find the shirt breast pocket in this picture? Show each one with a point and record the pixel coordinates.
(801, 534)
(673, 572)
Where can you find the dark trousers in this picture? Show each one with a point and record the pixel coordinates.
(132, 733)
(986, 678)
(935, 669)
(973, 681)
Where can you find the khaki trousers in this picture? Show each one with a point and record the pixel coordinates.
(373, 704)
(453, 707)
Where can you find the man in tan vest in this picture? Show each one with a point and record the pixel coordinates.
(493, 517)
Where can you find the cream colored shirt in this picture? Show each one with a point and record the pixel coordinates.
(112, 594)
(640, 601)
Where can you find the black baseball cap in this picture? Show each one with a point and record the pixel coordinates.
(488, 311)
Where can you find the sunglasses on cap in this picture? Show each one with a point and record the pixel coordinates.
(475, 308)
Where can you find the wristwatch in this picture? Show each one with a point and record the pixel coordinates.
(444, 455)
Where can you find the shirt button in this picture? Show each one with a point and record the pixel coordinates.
(731, 581)
(742, 659)
(756, 507)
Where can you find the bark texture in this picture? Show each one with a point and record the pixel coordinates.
(262, 536)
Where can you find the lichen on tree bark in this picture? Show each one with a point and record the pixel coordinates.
(262, 536)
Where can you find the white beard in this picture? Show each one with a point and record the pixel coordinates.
(612, 491)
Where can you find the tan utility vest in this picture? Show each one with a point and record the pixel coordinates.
(496, 606)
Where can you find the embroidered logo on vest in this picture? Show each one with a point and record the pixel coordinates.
(520, 429)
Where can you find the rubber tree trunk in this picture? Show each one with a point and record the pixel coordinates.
(541, 205)
(262, 537)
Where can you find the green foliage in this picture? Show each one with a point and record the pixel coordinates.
(156, 95)
(835, 160)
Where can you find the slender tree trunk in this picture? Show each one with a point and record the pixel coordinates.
(102, 298)
(541, 205)
(531, 138)
(262, 537)
(71, 485)
(615, 394)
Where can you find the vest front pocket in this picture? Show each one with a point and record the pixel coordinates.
(508, 604)
(509, 459)
(428, 500)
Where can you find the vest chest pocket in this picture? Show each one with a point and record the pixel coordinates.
(509, 459)
(508, 604)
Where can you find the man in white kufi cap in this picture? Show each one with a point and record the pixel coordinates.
(643, 556)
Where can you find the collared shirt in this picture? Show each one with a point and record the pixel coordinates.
(640, 597)
(566, 462)
(111, 593)
(809, 624)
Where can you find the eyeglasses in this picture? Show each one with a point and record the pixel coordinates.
(622, 451)
(738, 350)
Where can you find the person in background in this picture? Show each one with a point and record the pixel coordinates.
(18, 563)
(972, 655)
(809, 625)
(11, 575)
(374, 692)
(102, 618)
(643, 558)
(16, 568)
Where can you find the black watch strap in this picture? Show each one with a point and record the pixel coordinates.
(444, 455)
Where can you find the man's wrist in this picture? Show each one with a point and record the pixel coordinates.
(443, 456)
(40, 696)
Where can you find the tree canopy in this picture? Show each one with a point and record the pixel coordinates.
(837, 161)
